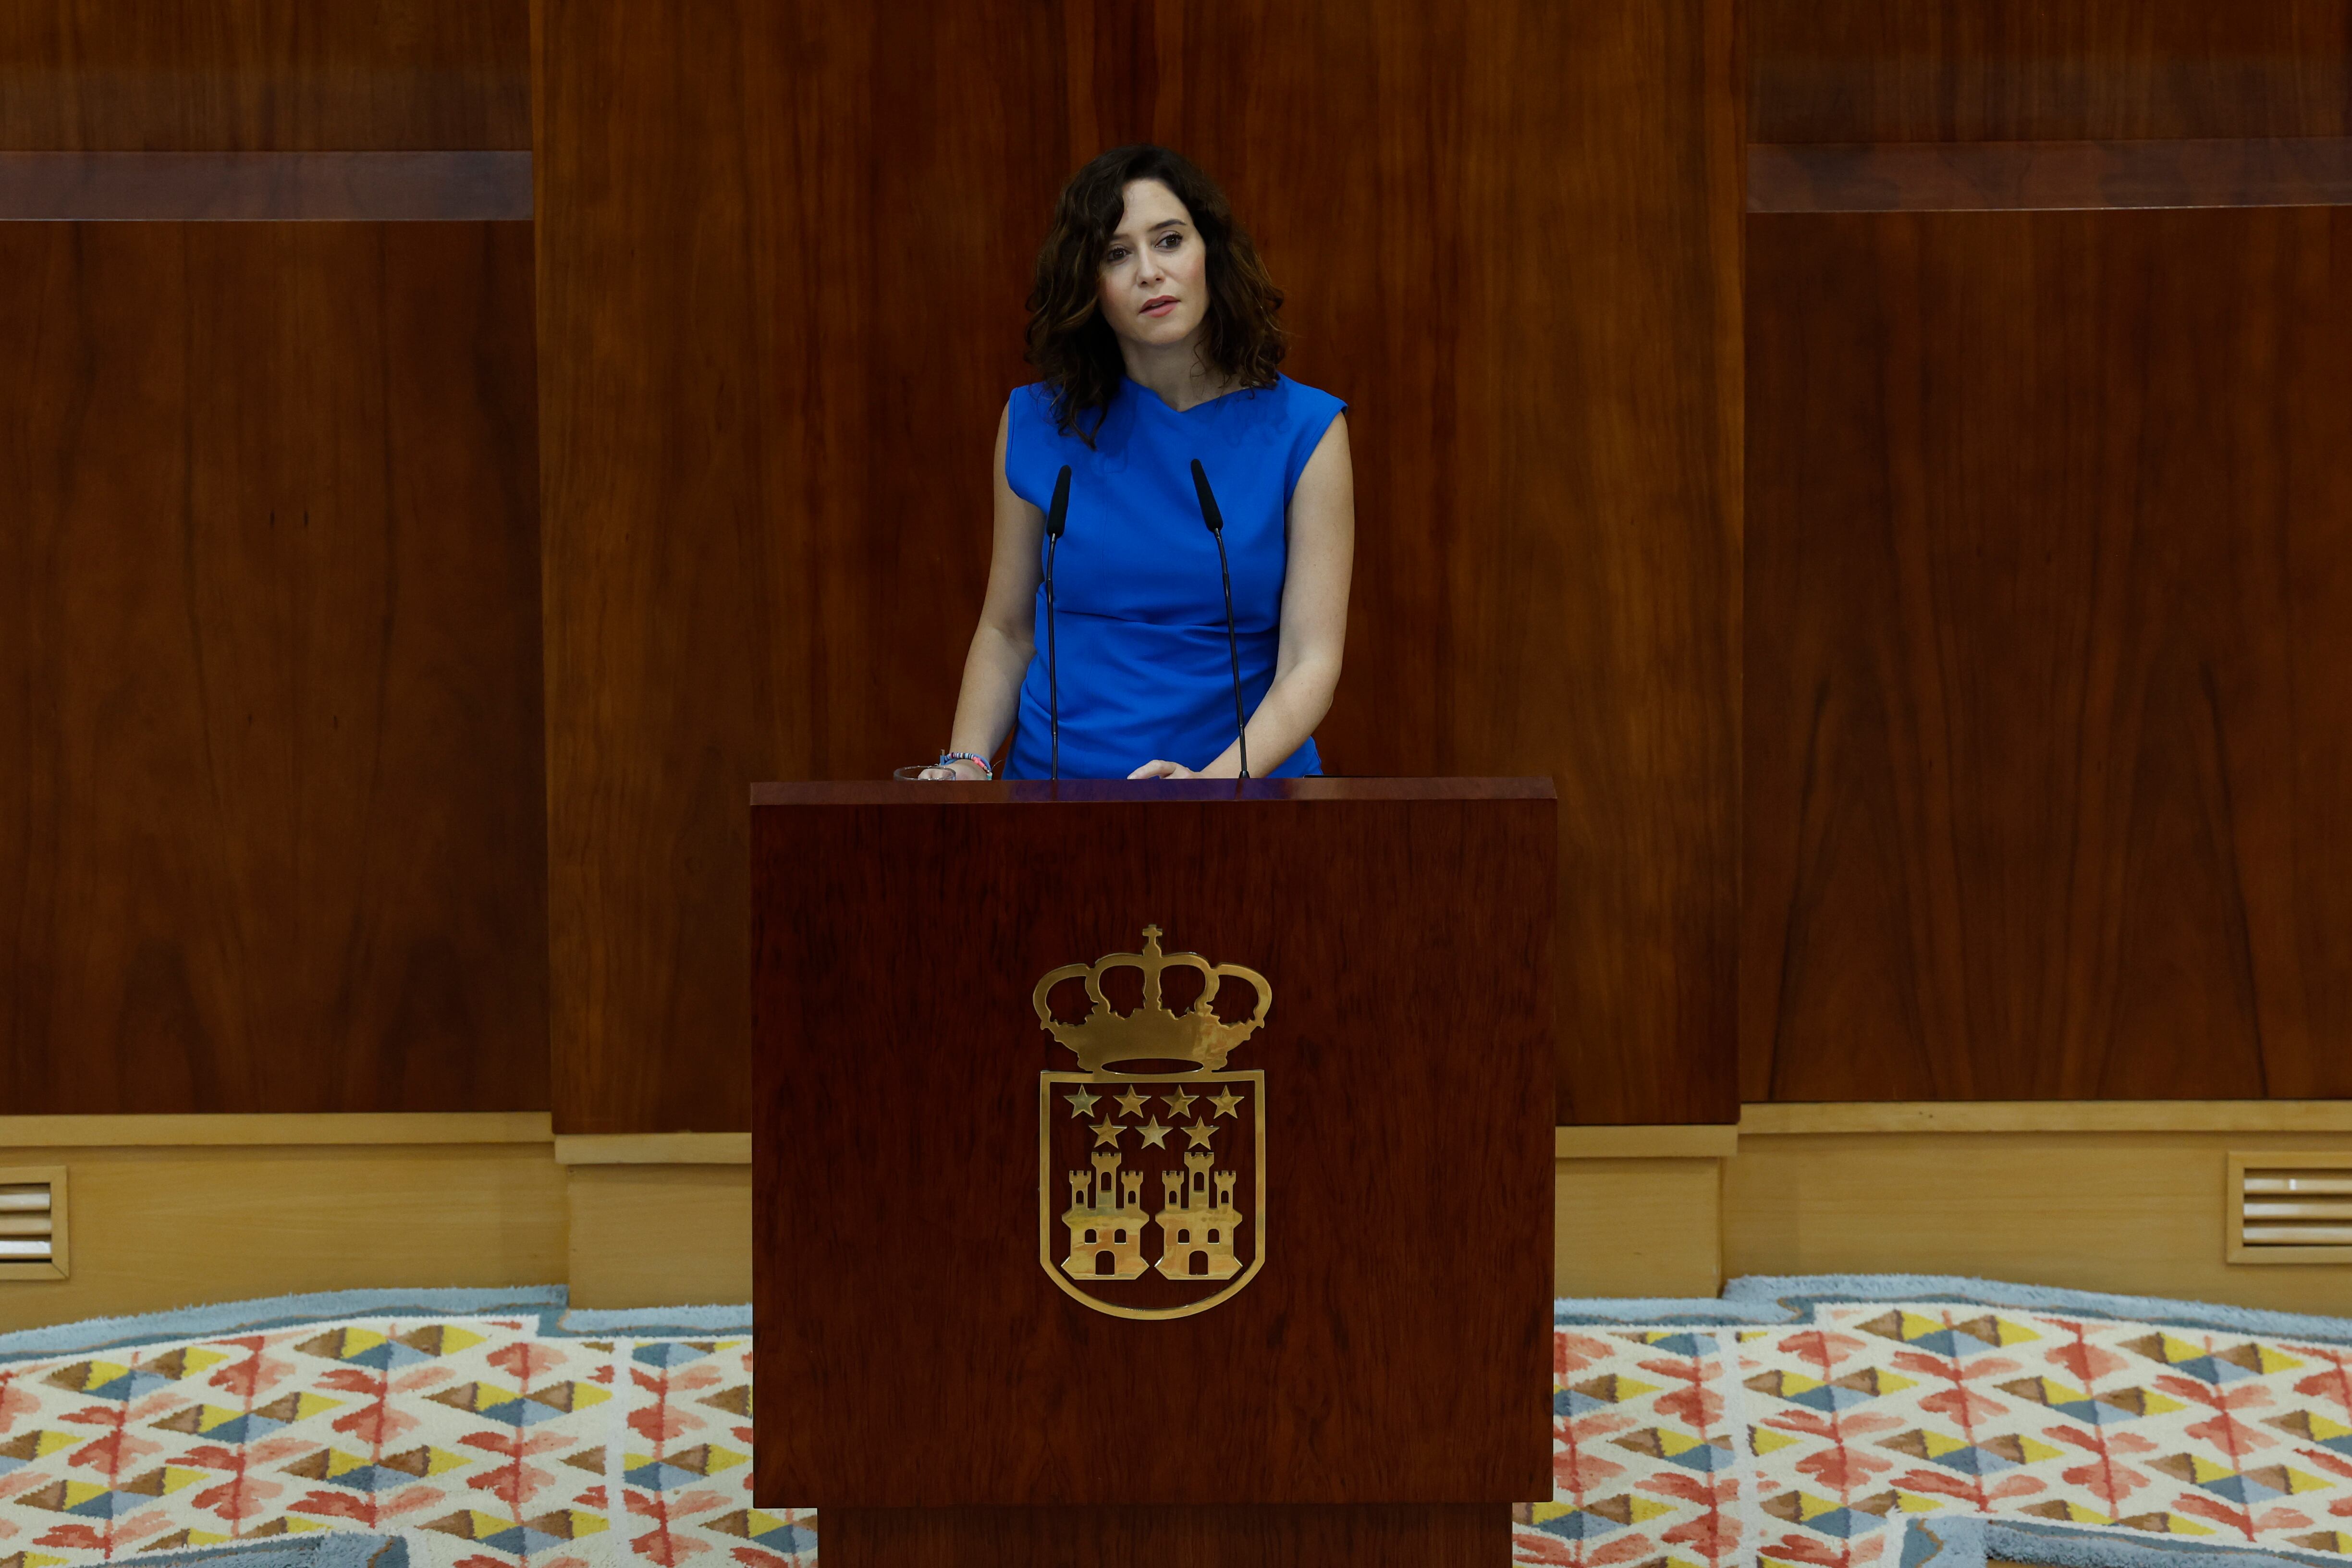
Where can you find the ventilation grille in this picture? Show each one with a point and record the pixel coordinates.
(32, 1224)
(2291, 1208)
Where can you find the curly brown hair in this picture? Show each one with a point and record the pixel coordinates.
(1074, 349)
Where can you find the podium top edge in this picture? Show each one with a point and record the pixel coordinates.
(1038, 792)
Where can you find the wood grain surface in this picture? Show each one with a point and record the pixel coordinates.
(1990, 176)
(2011, 70)
(272, 823)
(1541, 355)
(2049, 673)
(351, 187)
(1394, 1345)
(1418, 1535)
(783, 258)
(264, 75)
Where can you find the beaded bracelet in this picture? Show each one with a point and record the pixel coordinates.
(950, 758)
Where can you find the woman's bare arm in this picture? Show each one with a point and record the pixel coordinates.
(1006, 637)
(1314, 617)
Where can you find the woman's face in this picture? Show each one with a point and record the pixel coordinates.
(1154, 288)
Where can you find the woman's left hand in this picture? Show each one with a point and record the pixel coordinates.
(1159, 769)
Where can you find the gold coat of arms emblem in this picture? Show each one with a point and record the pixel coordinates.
(1152, 1155)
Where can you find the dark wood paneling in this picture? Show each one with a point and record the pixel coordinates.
(357, 187)
(783, 253)
(272, 823)
(1541, 355)
(2000, 70)
(1990, 176)
(782, 260)
(1419, 1535)
(2049, 674)
(1404, 931)
(263, 75)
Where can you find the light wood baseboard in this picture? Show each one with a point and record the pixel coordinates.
(276, 1131)
(2137, 1213)
(2126, 1198)
(654, 1149)
(1637, 1227)
(183, 1224)
(659, 1236)
(2069, 1116)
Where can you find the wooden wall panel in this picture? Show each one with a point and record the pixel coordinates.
(1541, 355)
(1999, 70)
(783, 251)
(335, 187)
(272, 819)
(2049, 656)
(783, 254)
(2048, 176)
(264, 75)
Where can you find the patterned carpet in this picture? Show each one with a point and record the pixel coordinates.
(1828, 1424)
(1819, 1443)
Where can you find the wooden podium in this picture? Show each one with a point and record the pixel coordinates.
(969, 1351)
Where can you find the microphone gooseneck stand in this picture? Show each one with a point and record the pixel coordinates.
(1215, 521)
(1056, 520)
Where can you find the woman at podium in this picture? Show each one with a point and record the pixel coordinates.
(1153, 329)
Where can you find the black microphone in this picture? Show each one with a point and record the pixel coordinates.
(1056, 518)
(1216, 521)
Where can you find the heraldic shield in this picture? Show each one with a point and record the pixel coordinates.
(1152, 1156)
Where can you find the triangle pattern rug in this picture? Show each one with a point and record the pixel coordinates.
(1852, 1435)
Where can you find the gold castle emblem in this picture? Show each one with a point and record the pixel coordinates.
(1157, 1076)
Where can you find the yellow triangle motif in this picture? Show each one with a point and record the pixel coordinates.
(99, 1374)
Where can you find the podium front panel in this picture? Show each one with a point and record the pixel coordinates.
(1378, 1325)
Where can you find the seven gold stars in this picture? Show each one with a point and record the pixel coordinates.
(1155, 1135)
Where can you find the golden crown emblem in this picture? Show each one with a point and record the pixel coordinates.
(1151, 1033)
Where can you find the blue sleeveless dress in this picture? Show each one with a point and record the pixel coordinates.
(1145, 671)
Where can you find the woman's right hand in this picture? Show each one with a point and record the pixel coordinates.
(966, 771)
